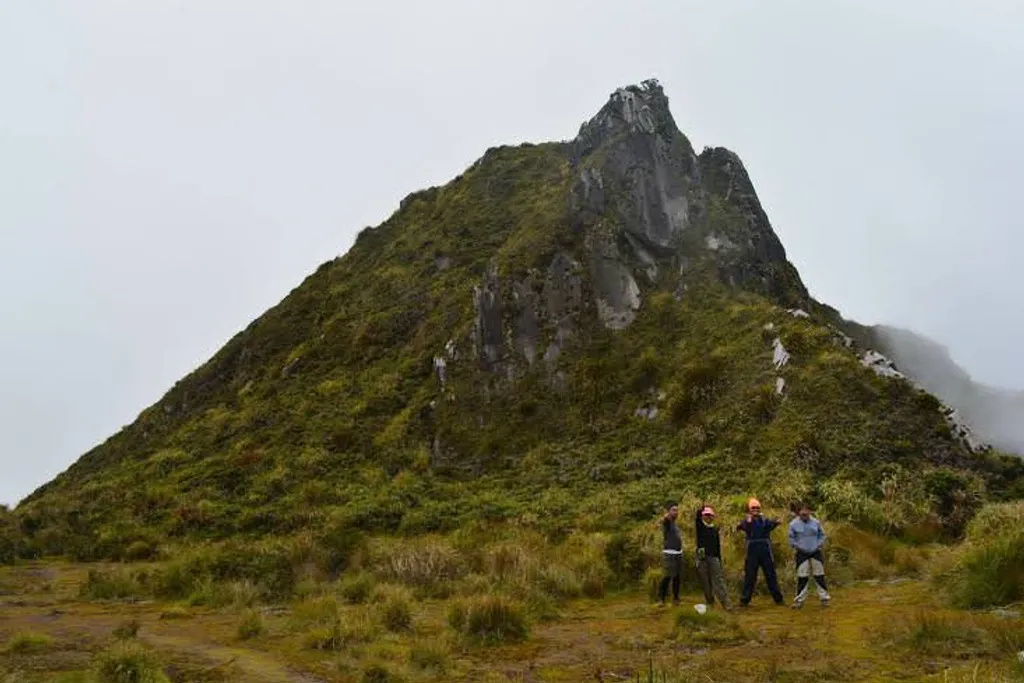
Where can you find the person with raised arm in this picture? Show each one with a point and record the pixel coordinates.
(759, 553)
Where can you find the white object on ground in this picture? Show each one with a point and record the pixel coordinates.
(702, 608)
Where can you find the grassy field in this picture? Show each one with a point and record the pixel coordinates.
(876, 630)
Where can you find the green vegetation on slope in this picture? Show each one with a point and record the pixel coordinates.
(327, 411)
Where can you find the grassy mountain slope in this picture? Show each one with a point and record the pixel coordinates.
(564, 335)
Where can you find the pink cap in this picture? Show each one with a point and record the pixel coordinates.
(707, 511)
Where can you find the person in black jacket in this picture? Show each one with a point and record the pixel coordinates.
(672, 554)
(709, 558)
(759, 553)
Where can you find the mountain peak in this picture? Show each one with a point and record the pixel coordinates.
(632, 109)
(559, 322)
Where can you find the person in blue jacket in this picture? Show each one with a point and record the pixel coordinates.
(806, 537)
(759, 553)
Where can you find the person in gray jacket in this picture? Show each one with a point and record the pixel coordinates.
(672, 554)
(806, 537)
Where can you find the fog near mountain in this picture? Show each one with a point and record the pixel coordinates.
(997, 415)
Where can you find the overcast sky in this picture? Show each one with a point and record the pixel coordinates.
(169, 170)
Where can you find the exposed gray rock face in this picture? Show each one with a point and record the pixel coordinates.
(648, 169)
(563, 300)
(616, 291)
(645, 200)
(488, 335)
(639, 216)
(527, 328)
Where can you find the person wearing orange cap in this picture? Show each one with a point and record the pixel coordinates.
(709, 558)
(759, 553)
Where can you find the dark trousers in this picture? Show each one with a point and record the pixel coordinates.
(673, 573)
(759, 556)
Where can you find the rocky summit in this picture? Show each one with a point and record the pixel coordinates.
(566, 333)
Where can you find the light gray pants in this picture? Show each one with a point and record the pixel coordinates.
(810, 568)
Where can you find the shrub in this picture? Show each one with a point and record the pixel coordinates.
(340, 545)
(989, 566)
(842, 499)
(27, 643)
(356, 589)
(996, 519)
(490, 620)
(140, 550)
(396, 614)
(251, 625)
(625, 558)
(129, 662)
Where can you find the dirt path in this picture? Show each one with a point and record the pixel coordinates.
(237, 663)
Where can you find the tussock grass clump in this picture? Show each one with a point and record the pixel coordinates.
(356, 589)
(396, 612)
(316, 610)
(29, 643)
(329, 638)
(711, 627)
(429, 657)
(429, 564)
(326, 627)
(936, 634)
(111, 584)
(988, 569)
(489, 620)
(127, 630)
(251, 625)
(243, 593)
(129, 662)
(175, 612)
(377, 673)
